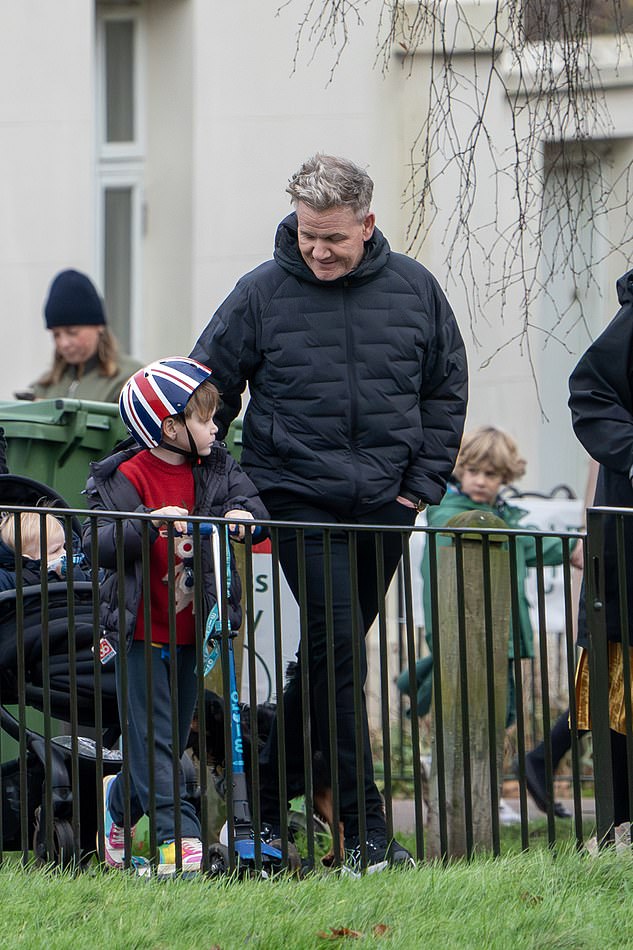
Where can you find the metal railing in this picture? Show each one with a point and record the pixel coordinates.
(51, 783)
(608, 620)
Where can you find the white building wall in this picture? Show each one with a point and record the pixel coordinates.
(519, 388)
(498, 390)
(46, 169)
(256, 123)
(168, 235)
(226, 124)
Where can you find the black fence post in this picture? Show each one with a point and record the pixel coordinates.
(599, 676)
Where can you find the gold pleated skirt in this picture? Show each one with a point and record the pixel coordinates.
(617, 712)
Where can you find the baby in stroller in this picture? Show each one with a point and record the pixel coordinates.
(47, 673)
(29, 538)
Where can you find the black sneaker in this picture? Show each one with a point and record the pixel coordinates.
(398, 856)
(271, 834)
(380, 855)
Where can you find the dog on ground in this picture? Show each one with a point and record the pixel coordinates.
(215, 756)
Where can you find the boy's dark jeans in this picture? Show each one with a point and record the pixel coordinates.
(285, 507)
(137, 750)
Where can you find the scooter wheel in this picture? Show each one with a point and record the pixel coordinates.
(218, 860)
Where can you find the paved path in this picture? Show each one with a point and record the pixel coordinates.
(404, 811)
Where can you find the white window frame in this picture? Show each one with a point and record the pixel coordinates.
(122, 164)
(125, 177)
(121, 151)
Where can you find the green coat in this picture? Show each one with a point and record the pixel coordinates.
(453, 503)
(92, 386)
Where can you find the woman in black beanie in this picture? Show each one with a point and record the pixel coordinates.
(87, 363)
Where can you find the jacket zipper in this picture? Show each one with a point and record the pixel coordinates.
(352, 383)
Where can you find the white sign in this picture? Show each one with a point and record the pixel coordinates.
(558, 515)
(264, 625)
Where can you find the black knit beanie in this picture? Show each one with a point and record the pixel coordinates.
(73, 301)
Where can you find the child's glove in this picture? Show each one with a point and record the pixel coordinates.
(239, 530)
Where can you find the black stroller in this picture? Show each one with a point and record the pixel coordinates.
(50, 669)
(48, 666)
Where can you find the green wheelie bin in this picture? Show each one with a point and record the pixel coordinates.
(54, 440)
(233, 439)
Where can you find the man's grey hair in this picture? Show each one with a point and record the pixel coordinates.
(325, 181)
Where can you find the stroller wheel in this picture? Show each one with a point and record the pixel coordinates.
(63, 853)
(218, 860)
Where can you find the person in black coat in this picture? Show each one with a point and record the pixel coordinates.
(601, 403)
(358, 387)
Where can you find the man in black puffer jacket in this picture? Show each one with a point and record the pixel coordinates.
(358, 387)
(601, 403)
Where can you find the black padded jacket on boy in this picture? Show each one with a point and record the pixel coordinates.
(219, 485)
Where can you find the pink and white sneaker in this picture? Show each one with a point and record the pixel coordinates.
(191, 857)
(114, 835)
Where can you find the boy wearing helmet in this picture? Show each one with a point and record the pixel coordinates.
(176, 470)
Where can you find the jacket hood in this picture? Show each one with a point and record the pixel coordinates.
(104, 467)
(30, 566)
(288, 255)
(7, 556)
(625, 288)
(455, 500)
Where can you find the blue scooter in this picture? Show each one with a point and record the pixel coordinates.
(241, 834)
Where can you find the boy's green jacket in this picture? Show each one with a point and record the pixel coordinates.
(453, 503)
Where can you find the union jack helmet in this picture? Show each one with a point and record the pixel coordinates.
(157, 391)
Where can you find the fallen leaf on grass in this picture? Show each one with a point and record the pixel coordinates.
(531, 898)
(335, 933)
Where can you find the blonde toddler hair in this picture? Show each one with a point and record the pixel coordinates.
(493, 448)
(30, 532)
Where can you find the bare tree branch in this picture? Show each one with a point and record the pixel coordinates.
(537, 57)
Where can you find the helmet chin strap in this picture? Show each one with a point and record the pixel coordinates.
(193, 451)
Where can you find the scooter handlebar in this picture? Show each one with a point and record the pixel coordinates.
(206, 529)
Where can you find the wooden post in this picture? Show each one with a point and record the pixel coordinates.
(483, 798)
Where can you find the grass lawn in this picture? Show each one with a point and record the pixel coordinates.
(545, 898)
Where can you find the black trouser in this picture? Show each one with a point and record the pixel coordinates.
(621, 809)
(561, 743)
(560, 740)
(284, 507)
